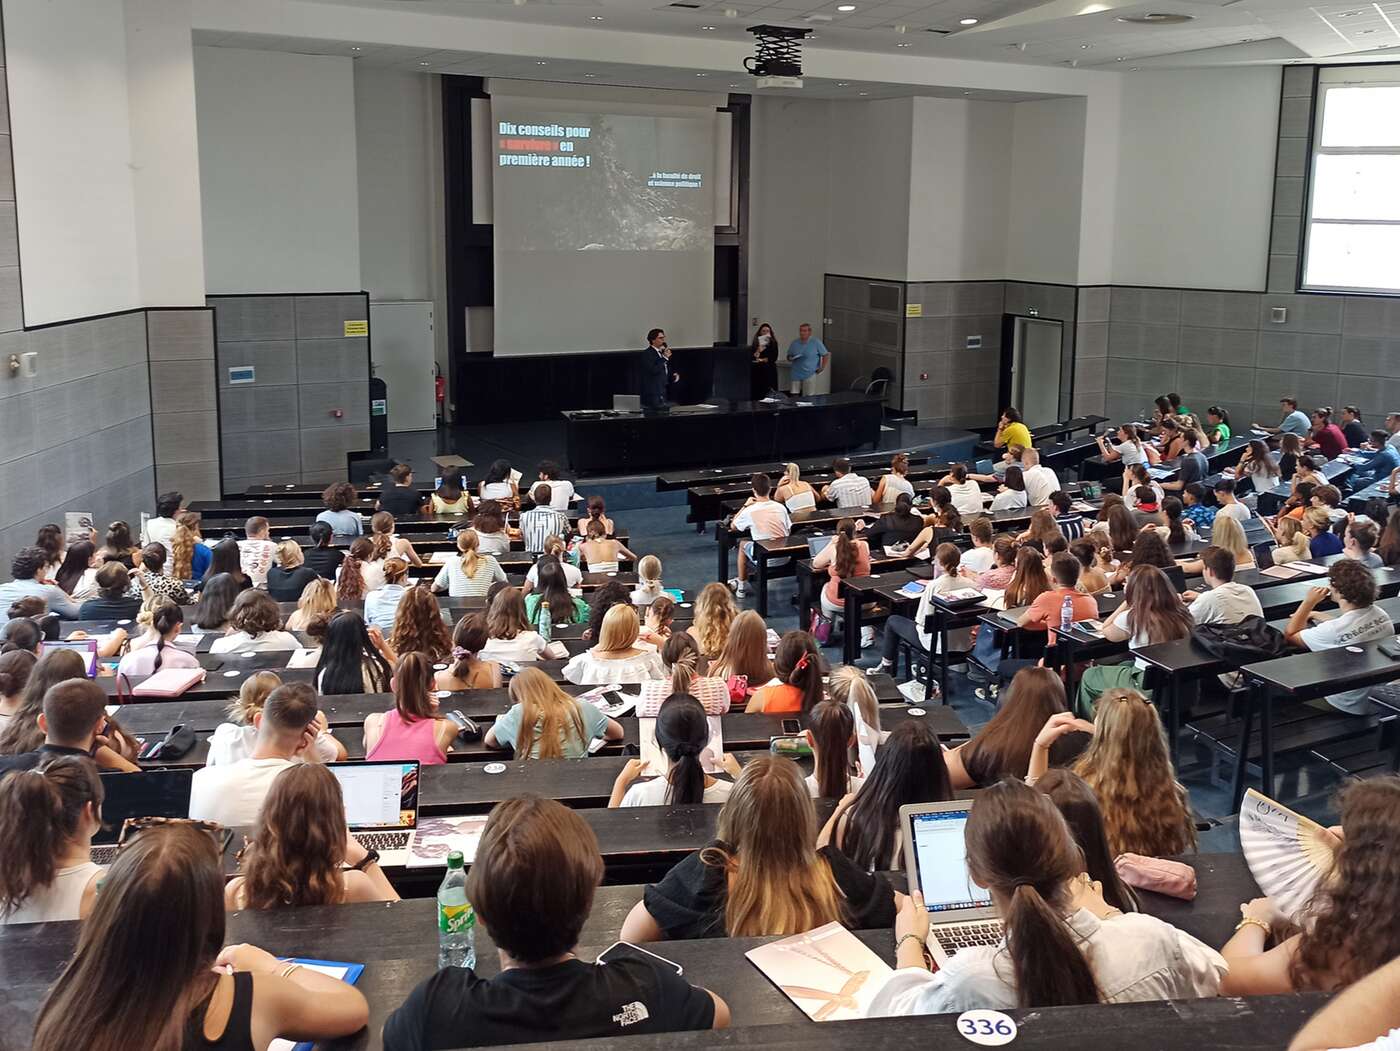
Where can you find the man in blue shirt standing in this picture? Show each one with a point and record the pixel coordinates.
(807, 355)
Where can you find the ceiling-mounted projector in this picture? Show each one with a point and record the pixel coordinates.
(777, 61)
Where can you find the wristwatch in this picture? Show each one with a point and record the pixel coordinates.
(371, 858)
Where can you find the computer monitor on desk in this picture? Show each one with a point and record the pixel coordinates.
(627, 403)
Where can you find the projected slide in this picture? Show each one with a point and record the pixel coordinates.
(604, 227)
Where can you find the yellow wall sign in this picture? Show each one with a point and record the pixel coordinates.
(913, 310)
(357, 328)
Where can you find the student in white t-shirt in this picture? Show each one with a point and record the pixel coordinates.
(232, 795)
(847, 489)
(256, 554)
(257, 625)
(1039, 481)
(682, 734)
(561, 490)
(979, 557)
(1229, 507)
(1224, 601)
(1353, 587)
(965, 493)
(48, 817)
(161, 528)
(765, 519)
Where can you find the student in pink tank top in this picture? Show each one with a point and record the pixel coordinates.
(412, 730)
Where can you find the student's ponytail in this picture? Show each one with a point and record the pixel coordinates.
(845, 541)
(682, 731)
(798, 663)
(164, 616)
(682, 655)
(40, 811)
(350, 585)
(832, 727)
(1019, 845)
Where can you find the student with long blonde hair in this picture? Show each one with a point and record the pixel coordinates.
(743, 662)
(1226, 532)
(1145, 809)
(236, 739)
(849, 686)
(1293, 544)
(792, 492)
(419, 627)
(412, 729)
(169, 878)
(472, 573)
(317, 600)
(544, 722)
(301, 853)
(761, 876)
(617, 656)
(715, 611)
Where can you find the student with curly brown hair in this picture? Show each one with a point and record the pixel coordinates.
(339, 498)
(1349, 927)
(301, 852)
(419, 627)
(257, 625)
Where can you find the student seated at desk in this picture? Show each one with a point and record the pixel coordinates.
(1151, 612)
(256, 625)
(354, 658)
(1011, 494)
(616, 657)
(1228, 505)
(1092, 579)
(419, 627)
(714, 613)
(943, 523)
(1063, 944)
(689, 673)
(797, 665)
(317, 601)
(1217, 428)
(449, 498)
(896, 482)
(63, 712)
(1130, 449)
(596, 510)
(155, 583)
(981, 556)
(321, 558)
(344, 523)
(1149, 549)
(237, 738)
(499, 484)
(555, 548)
(1258, 466)
(47, 821)
(900, 526)
(1223, 601)
(117, 547)
(301, 853)
(649, 587)
(902, 630)
(600, 553)
(469, 672)
(682, 733)
(845, 558)
(156, 649)
(1353, 587)
(553, 588)
(965, 494)
(388, 544)
(1136, 476)
(764, 518)
(544, 722)
(1360, 544)
(1010, 430)
(1078, 805)
(847, 489)
(761, 876)
(743, 663)
(1191, 466)
(509, 634)
(493, 538)
(831, 734)
(1326, 436)
(359, 574)
(1129, 768)
(1322, 541)
(1003, 747)
(1147, 511)
(113, 601)
(1045, 611)
(909, 768)
(412, 729)
(289, 577)
(1292, 540)
(189, 993)
(16, 664)
(471, 573)
(1346, 932)
(532, 887)
(541, 521)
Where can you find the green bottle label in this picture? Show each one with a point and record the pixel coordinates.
(454, 919)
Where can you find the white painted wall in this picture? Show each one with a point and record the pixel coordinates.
(789, 197)
(392, 136)
(958, 186)
(869, 152)
(1195, 178)
(278, 171)
(1047, 168)
(66, 73)
(164, 152)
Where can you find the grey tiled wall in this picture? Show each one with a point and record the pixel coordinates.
(184, 402)
(960, 388)
(1225, 348)
(1091, 350)
(1290, 176)
(283, 426)
(865, 331)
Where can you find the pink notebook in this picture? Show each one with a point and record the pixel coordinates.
(168, 682)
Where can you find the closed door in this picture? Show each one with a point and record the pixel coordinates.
(1035, 370)
(401, 354)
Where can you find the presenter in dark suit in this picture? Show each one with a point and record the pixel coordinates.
(656, 372)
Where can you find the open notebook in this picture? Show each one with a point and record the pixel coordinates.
(828, 972)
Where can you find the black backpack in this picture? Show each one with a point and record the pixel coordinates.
(1248, 642)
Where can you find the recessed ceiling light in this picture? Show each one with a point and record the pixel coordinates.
(355, 49)
(1085, 47)
(595, 18)
(902, 45)
(702, 74)
(590, 75)
(967, 93)
(1157, 18)
(967, 21)
(541, 62)
(863, 93)
(843, 83)
(845, 7)
(1133, 70)
(423, 63)
(1121, 58)
(707, 29)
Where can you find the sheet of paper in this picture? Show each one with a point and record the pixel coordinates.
(436, 837)
(828, 972)
(304, 658)
(655, 758)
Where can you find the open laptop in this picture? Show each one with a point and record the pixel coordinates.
(627, 403)
(148, 793)
(961, 913)
(817, 544)
(84, 648)
(381, 805)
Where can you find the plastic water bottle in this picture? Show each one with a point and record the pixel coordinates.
(546, 624)
(1066, 613)
(456, 917)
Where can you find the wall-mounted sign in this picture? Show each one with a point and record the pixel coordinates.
(357, 328)
(913, 310)
(241, 374)
(378, 407)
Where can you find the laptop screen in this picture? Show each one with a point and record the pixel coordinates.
(85, 648)
(817, 544)
(378, 795)
(150, 793)
(942, 857)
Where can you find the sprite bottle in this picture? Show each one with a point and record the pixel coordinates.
(456, 918)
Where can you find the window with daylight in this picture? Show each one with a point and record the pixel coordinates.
(1353, 214)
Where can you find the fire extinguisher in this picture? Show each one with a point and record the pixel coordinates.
(439, 391)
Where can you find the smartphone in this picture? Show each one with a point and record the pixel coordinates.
(614, 698)
(1391, 647)
(1094, 627)
(792, 726)
(627, 951)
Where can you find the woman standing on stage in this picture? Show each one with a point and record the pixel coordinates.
(764, 366)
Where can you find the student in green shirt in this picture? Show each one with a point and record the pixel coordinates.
(553, 587)
(1217, 425)
(1175, 400)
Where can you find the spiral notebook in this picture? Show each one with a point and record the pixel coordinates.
(829, 973)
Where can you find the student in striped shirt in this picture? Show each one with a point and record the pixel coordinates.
(542, 521)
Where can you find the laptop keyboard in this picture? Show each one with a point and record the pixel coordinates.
(958, 936)
(382, 841)
(104, 855)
